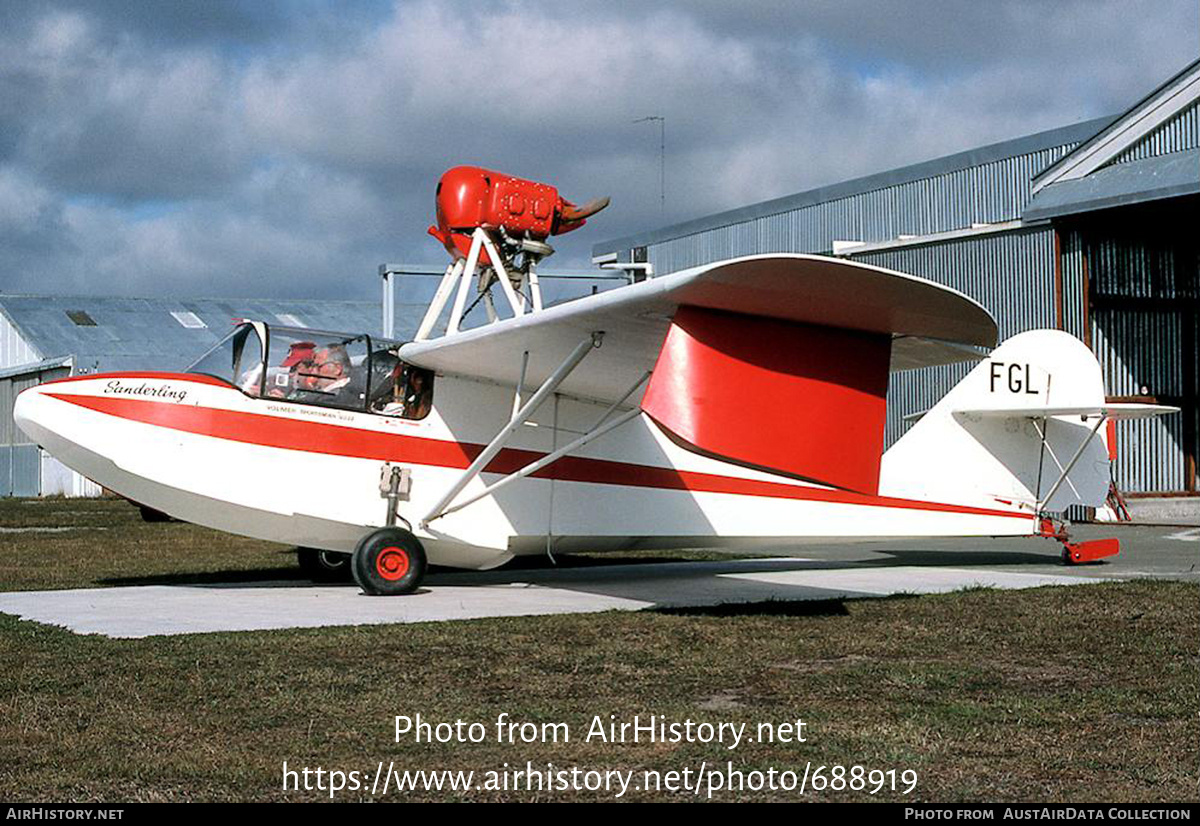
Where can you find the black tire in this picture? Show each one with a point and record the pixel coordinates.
(388, 562)
(324, 566)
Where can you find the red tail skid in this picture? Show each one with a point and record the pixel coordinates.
(1078, 553)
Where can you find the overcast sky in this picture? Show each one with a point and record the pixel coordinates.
(288, 147)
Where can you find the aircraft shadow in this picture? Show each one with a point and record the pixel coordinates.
(955, 559)
(618, 574)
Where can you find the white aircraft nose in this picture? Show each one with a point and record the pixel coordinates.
(59, 429)
(40, 417)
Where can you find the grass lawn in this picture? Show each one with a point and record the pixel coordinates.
(1073, 694)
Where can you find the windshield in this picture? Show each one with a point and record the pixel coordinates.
(341, 370)
(237, 359)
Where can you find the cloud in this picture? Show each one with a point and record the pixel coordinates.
(121, 121)
(282, 148)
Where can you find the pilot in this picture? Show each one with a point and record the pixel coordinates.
(331, 368)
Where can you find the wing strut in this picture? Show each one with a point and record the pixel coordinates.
(528, 409)
(597, 430)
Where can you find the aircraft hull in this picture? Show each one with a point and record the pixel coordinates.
(202, 451)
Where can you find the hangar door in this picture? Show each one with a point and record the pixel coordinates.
(1143, 269)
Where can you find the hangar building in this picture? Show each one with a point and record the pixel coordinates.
(1092, 228)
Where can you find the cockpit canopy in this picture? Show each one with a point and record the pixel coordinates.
(339, 370)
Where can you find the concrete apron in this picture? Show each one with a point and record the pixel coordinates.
(150, 610)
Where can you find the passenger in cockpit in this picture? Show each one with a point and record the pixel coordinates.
(298, 364)
(418, 394)
(399, 389)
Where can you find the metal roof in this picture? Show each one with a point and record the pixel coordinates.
(142, 333)
(1167, 101)
(926, 169)
(1162, 176)
(35, 367)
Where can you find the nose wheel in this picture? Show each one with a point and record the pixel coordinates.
(388, 562)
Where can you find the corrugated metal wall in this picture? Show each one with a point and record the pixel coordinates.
(20, 458)
(1177, 134)
(1010, 273)
(1073, 263)
(1141, 351)
(988, 193)
(10, 434)
(59, 480)
(14, 350)
(20, 470)
(1131, 288)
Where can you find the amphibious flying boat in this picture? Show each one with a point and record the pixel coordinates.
(739, 401)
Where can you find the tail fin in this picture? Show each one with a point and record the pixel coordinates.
(1022, 429)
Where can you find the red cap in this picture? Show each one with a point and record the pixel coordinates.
(300, 351)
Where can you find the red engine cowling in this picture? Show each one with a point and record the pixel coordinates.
(469, 197)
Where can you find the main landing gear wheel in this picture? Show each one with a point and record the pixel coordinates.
(387, 562)
(323, 566)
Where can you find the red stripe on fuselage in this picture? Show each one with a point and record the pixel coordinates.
(195, 378)
(337, 440)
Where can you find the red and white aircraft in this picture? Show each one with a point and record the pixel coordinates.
(741, 401)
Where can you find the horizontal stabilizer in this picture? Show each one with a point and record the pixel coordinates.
(1110, 410)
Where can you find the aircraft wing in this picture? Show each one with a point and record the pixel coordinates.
(929, 323)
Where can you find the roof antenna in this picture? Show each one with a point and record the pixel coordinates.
(662, 162)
